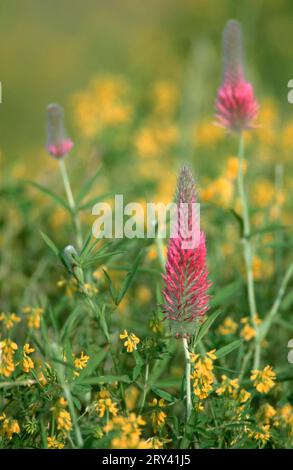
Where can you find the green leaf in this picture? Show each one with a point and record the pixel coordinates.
(111, 287)
(129, 278)
(50, 243)
(225, 350)
(239, 219)
(225, 294)
(89, 204)
(106, 379)
(87, 187)
(206, 326)
(161, 393)
(58, 199)
(138, 365)
(269, 228)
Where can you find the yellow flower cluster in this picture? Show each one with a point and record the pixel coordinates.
(128, 429)
(202, 375)
(158, 416)
(153, 141)
(263, 380)
(207, 134)
(105, 404)
(8, 426)
(228, 327)
(70, 286)
(265, 413)
(231, 387)
(131, 341)
(9, 319)
(80, 362)
(54, 443)
(63, 417)
(27, 362)
(7, 351)
(248, 331)
(165, 96)
(262, 435)
(33, 316)
(103, 104)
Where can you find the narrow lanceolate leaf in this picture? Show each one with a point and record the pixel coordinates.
(50, 243)
(225, 350)
(58, 199)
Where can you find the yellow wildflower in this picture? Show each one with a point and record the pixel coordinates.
(54, 443)
(69, 285)
(64, 421)
(106, 404)
(33, 316)
(9, 319)
(227, 386)
(206, 134)
(103, 104)
(144, 294)
(8, 426)
(131, 341)
(129, 432)
(158, 417)
(27, 362)
(265, 413)
(232, 166)
(202, 375)
(165, 97)
(228, 327)
(248, 331)
(263, 380)
(7, 351)
(131, 395)
(262, 436)
(81, 362)
(244, 395)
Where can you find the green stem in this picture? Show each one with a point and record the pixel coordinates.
(71, 202)
(145, 387)
(247, 248)
(187, 379)
(267, 323)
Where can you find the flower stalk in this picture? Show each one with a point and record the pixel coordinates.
(71, 202)
(247, 250)
(187, 379)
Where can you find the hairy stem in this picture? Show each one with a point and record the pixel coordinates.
(187, 379)
(248, 254)
(71, 202)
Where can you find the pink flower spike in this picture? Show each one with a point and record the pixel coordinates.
(186, 279)
(236, 107)
(58, 144)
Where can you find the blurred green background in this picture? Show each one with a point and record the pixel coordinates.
(49, 50)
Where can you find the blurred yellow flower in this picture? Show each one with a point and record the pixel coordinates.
(263, 380)
(33, 316)
(228, 327)
(9, 319)
(8, 426)
(54, 443)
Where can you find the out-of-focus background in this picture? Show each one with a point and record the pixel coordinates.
(49, 50)
(138, 82)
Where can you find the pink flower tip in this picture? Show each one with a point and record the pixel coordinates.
(58, 144)
(236, 107)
